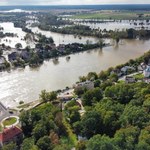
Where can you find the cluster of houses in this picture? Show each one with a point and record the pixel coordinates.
(68, 94)
(40, 50)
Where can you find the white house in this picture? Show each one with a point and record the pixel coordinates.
(147, 72)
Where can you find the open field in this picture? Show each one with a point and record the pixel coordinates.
(118, 15)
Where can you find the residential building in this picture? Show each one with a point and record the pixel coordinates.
(13, 134)
(87, 84)
(129, 79)
(147, 72)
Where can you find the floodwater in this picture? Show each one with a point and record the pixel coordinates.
(26, 84)
(113, 24)
(12, 41)
(64, 38)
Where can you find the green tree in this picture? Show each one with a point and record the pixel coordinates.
(18, 45)
(27, 144)
(92, 96)
(134, 115)
(103, 75)
(110, 113)
(26, 122)
(10, 146)
(91, 124)
(81, 145)
(48, 96)
(92, 76)
(144, 139)
(99, 142)
(123, 93)
(126, 138)
(44, 143)
(39, 131)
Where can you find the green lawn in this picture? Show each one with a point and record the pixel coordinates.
(113, 15)
(9, 121)
(139, 76)
(1, 128)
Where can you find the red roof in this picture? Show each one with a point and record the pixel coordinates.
(9, 133)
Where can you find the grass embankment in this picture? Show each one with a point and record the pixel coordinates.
(9, 121)
(72, 138)
(139, 76)
(117, 15)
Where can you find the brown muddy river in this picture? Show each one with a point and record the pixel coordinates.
(26, 84)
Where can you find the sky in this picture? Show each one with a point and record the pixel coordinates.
(71, 2)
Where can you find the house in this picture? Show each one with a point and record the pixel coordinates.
(116, 71)
(147, 72)
(25, 55)
(129, 79)
(66, 95)
(13, 56)
(142, 67)
(53, 46)
(8, 135)
(87, 84)
(61, 47)
(125, 69)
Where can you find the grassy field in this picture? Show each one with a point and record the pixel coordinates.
(118, 15)
(9, 121)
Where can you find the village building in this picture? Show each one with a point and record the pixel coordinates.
(142, 67)
(125, 69)
(66, 95)
(147, 72)
(87, 85)
(13, 56)
(129, 79)
(13, 134)
(25, 55)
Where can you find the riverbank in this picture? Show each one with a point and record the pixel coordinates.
(25, 84)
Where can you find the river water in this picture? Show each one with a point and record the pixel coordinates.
(26, 84)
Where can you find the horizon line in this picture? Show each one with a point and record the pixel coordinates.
(75, 4)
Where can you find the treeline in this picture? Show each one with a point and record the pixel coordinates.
(46, 20)
(87, 31)
(3, 35)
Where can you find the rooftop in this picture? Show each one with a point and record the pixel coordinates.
(9, 133)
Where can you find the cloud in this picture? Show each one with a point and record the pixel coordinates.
(70, 2)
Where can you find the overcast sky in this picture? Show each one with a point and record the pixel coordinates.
(71, 2)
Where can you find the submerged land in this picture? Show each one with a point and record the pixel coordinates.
(75, 78)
